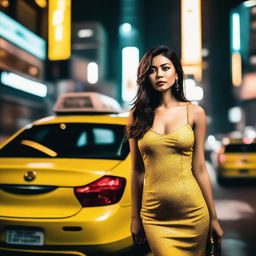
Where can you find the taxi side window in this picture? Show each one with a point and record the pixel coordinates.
(40, 136)
(103, 136)
(82, 140)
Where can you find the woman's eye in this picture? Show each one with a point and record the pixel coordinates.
(151, 71)
(165, 68)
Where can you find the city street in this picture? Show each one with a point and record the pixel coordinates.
(236, 207)
(105, 102)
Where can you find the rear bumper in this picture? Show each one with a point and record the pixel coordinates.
(116, 248)
(236, 173)
(94, 229)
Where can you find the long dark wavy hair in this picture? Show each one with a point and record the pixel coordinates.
(147, 98)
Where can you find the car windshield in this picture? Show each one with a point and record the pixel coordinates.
(69, 140)
(238, 148)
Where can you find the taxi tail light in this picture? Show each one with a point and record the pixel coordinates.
(222, 158)
(107, 190)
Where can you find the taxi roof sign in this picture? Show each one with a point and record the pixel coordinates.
(86, 102)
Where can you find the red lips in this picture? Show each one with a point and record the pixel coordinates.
(160, 82)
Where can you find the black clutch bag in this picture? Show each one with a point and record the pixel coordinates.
(213, 247)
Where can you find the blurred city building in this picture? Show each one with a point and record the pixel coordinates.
(104, 48)
(243, 61)
(22, 64)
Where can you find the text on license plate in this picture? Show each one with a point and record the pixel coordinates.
(27, 237)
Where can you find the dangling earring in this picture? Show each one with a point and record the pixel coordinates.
(176, 86)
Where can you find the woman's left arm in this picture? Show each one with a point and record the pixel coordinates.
(199, 167)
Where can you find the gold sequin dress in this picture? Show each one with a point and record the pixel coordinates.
(174, 213)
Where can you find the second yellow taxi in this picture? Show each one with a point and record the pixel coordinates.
(236, 159)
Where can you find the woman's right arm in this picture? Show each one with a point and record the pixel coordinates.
(137, 177)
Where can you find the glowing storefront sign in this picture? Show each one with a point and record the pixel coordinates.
(236, 60)
(17, 34)
(23, 84)
(92, 73)
(130, 61)
(191, 31)
(59, 35)
(236, 69)
(85, 33)
(236, 31)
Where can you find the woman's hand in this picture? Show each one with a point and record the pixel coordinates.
(137, 231)
(216, 228)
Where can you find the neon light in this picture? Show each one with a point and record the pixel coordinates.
(126, 27)
(192, 91)
(92, 73)
(235, 114)
(130, 61)
(85, 33)
(236, 31)
(23, 84)
(249, 3)
(22, 37)
(59, 32)
(191, 31)
(236, 69)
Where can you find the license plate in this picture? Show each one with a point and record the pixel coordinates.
(25, 237)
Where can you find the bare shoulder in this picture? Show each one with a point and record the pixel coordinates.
(197, 113)
(197, 109)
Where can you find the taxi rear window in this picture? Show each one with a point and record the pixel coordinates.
(238, 148)
(69, 140)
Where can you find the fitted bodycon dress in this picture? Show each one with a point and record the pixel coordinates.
(174, 213)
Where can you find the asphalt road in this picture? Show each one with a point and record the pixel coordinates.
(236, 208)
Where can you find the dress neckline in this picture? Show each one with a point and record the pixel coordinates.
(170, 133)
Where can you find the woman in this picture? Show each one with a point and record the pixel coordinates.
(172, 201)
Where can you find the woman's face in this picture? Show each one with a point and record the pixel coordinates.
(162, 73)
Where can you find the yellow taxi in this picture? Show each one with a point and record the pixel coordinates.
(65, 183)
(236, 159)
